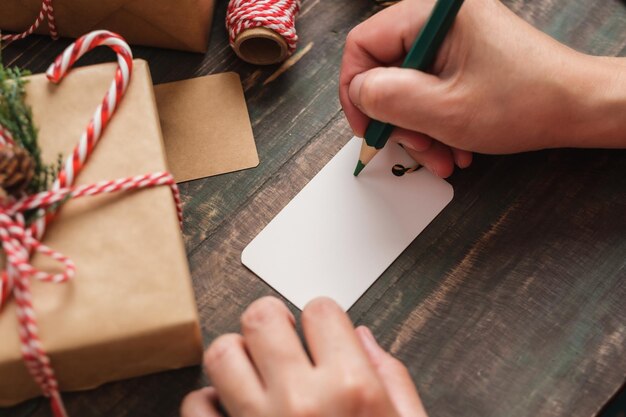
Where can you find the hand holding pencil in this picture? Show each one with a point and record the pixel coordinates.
(497, 86)
(420, 57)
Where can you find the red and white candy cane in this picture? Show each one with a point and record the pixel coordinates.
(19, 242)
(89, 139)
(45, 13)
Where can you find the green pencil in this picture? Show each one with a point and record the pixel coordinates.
(420, 57)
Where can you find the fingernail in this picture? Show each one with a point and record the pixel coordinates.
(355, 89)
(458, 162)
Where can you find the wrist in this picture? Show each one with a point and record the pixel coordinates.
(595, 111)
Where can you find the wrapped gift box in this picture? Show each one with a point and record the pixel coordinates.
(130, 309)
(175, 24)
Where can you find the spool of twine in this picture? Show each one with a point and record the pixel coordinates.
(262, 32)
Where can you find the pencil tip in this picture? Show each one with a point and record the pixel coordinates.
(359, 167)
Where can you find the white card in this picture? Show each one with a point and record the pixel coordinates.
(341, 232)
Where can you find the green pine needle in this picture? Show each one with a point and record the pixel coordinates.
(17, 117)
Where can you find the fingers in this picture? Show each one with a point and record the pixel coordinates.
(382, 40)
(233, 374)
(406, 98)
(462, 158)
(269, 331)
(386, 37)
(411, 140)
(437, 159)
(395, 377)
(352, 375)
(200, 403)
(330, 336)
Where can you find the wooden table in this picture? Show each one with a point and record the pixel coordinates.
(512, 303)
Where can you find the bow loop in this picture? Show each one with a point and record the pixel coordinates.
(18, 246)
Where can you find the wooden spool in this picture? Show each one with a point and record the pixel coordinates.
(261, 46)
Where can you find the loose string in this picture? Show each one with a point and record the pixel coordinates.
(20, 241)
(45, 13)
(277, 15)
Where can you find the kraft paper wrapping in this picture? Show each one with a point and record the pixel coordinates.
(175, 24)
(130, 309)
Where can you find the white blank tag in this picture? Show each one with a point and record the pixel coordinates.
(341, 232)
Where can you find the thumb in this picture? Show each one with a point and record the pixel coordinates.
(404, 97)
(394, 376)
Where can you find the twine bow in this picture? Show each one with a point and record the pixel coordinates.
(20, 242)
(45, 13)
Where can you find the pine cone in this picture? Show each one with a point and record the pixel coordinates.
(17, 169)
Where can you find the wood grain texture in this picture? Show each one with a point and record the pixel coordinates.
(512, 301)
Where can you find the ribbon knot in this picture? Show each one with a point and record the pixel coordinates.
(19, 245)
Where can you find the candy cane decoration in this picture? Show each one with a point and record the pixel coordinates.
(89, 139)
(46, 12)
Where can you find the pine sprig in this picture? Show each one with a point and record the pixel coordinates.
(17, 117)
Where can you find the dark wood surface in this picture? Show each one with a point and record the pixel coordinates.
(511, 303)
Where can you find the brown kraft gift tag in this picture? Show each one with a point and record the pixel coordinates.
(206, 126)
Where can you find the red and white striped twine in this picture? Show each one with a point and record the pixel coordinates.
(277, 15)
(45, 13)
(19, 242)
(6, 138)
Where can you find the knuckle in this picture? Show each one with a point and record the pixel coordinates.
(249, 407)
(300, 406)
(360, 394)
(261, 311)
(351, 38)
(220, 347)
